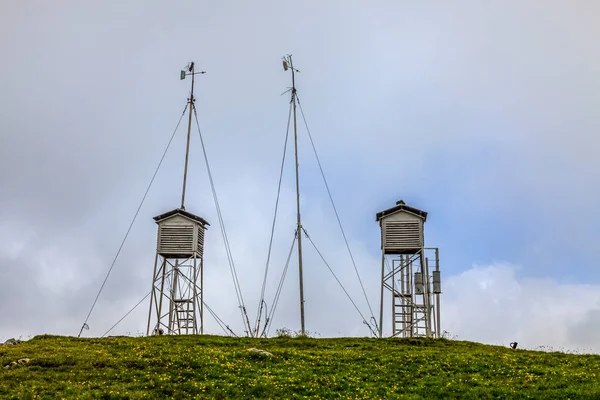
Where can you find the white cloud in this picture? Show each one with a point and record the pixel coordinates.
(494, 305)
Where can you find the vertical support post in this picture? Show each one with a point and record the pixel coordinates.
(202, 294)
(437, 309)
(403, 292)
(152, 294)
(189, 309)
(187, 148)
(393, 299)
(425, 299)
(411, 321)
(299, 222)
(437, 295)
(429, 302)
(172, 294)
(194, 293)
(434, 330)
(177, 307)
(162, 287)
(381, 300)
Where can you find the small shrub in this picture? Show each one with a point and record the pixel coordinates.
(288, 333)
(284, 333)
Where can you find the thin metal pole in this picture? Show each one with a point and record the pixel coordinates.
(187, 148)
(162, 291)
(152, 295)
(194, 275)
(173, 294)
(413, 298)
(404, 289)
(393, 299)
(202, 294)
(195, 292)
(428, 293)
(437, 300)
(302, 325)
(381, 300)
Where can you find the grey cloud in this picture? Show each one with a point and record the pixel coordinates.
(587, 332)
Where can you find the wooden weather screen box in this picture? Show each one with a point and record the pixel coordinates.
(180, 234)
(401, 229)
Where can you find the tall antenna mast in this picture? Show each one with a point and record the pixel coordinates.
(288, 64)
(178, 277)
(190, 71)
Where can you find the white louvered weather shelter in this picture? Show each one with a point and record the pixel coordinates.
(177, 305)
(180, 234)
(405, 272)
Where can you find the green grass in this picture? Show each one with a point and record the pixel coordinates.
(221, 367)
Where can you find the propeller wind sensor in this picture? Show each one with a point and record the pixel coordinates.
(287, 63)
(190, 71)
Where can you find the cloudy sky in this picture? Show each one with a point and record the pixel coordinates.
(483, 114)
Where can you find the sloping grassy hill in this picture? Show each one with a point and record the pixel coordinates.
(221, 367)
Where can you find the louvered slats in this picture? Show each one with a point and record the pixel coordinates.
(201, 241)
(402, 235)
(176, 239)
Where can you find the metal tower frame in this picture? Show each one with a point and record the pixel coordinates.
(409, 280)
(183, 296)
